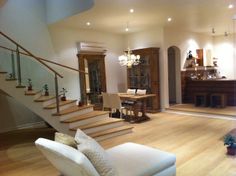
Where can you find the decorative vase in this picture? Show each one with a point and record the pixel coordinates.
(231, 150)
(46, 93)
(30, 88)
(80, 103)
(63, 98)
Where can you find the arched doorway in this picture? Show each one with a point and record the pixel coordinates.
(174, 77)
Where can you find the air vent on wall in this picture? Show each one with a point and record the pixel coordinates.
(91, 47)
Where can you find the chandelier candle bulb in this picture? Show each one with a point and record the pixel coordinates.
(129, 59)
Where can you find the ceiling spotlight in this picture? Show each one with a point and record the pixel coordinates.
(131, 10)
(169, 19)
(88, 23)
(230, 6)
(213, 31)
(127, 29)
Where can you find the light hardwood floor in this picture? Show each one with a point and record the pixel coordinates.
(196, 141)
(227, 111)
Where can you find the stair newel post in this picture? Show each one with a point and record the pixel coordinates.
(18, 66)
(57, 94)
(13, 65)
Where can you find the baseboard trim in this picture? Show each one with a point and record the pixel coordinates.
(24, 126)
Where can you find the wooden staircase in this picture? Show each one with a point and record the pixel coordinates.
(71, 117)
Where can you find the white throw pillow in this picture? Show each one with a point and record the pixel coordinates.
(65, 139)
(131, 91)
(95, 153)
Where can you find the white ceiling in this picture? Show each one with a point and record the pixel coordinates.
(191, 15)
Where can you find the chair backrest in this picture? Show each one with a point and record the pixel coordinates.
(131, 91)
(115, 101)
(66, 159)
(105, 100)
(141, 91)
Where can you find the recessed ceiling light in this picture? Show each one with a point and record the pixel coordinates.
(127, 29)
(131, 10)
(88, 23)
(169, 19)
(230, 6)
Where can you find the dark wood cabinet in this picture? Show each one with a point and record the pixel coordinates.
(145, 75)
(93, 83)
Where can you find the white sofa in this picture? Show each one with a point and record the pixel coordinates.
(129, 159)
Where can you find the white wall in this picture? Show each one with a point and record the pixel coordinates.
(185, 41)
(165, 38)
(152, 38)
(224, 52)
(65, 39)
(14, 115)
(60, 9)
(25, 22)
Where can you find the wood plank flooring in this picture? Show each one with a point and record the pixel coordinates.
(196, 141)
(227, 111)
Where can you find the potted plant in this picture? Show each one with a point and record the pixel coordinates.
(45, 88)
(230, 141)
(63, 96)
(30, 85)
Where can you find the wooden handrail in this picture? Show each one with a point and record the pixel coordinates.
(30, 54)
(45, 60)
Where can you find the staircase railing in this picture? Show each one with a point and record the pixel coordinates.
(39, 60)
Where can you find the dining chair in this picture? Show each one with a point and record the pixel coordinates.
(141, 92)
(115, 103)
(131, 91)
(105, 101)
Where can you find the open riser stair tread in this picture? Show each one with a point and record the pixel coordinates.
(10, 79)
(44, 98)
(72, 109)
(3, 72)
(31, 92)
(61, 103)
(98, 124)
(86, 116)
(110, 131)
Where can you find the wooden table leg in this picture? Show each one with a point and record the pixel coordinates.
(139, 106)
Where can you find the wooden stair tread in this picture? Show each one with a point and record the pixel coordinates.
(72, 109)
(3, 72)
(61, 103)
(10, 79)
(32, 92)
(44, 98)
(20, 87)
(99, 123)
(110, 131)
(85, 116)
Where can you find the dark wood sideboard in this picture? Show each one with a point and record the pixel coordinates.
(223, 86)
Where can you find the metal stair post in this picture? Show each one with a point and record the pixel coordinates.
(57, 94)
(18, 66)
(13, 65)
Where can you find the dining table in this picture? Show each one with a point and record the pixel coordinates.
(137, 104)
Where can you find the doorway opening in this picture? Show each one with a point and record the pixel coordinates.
(174, 75)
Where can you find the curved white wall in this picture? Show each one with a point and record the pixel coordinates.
(60, 9)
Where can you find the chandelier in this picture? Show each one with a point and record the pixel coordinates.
(129, 59)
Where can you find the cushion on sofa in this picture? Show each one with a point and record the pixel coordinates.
(133, 159)
(67, 160)
(95, 153)
(65, 139)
